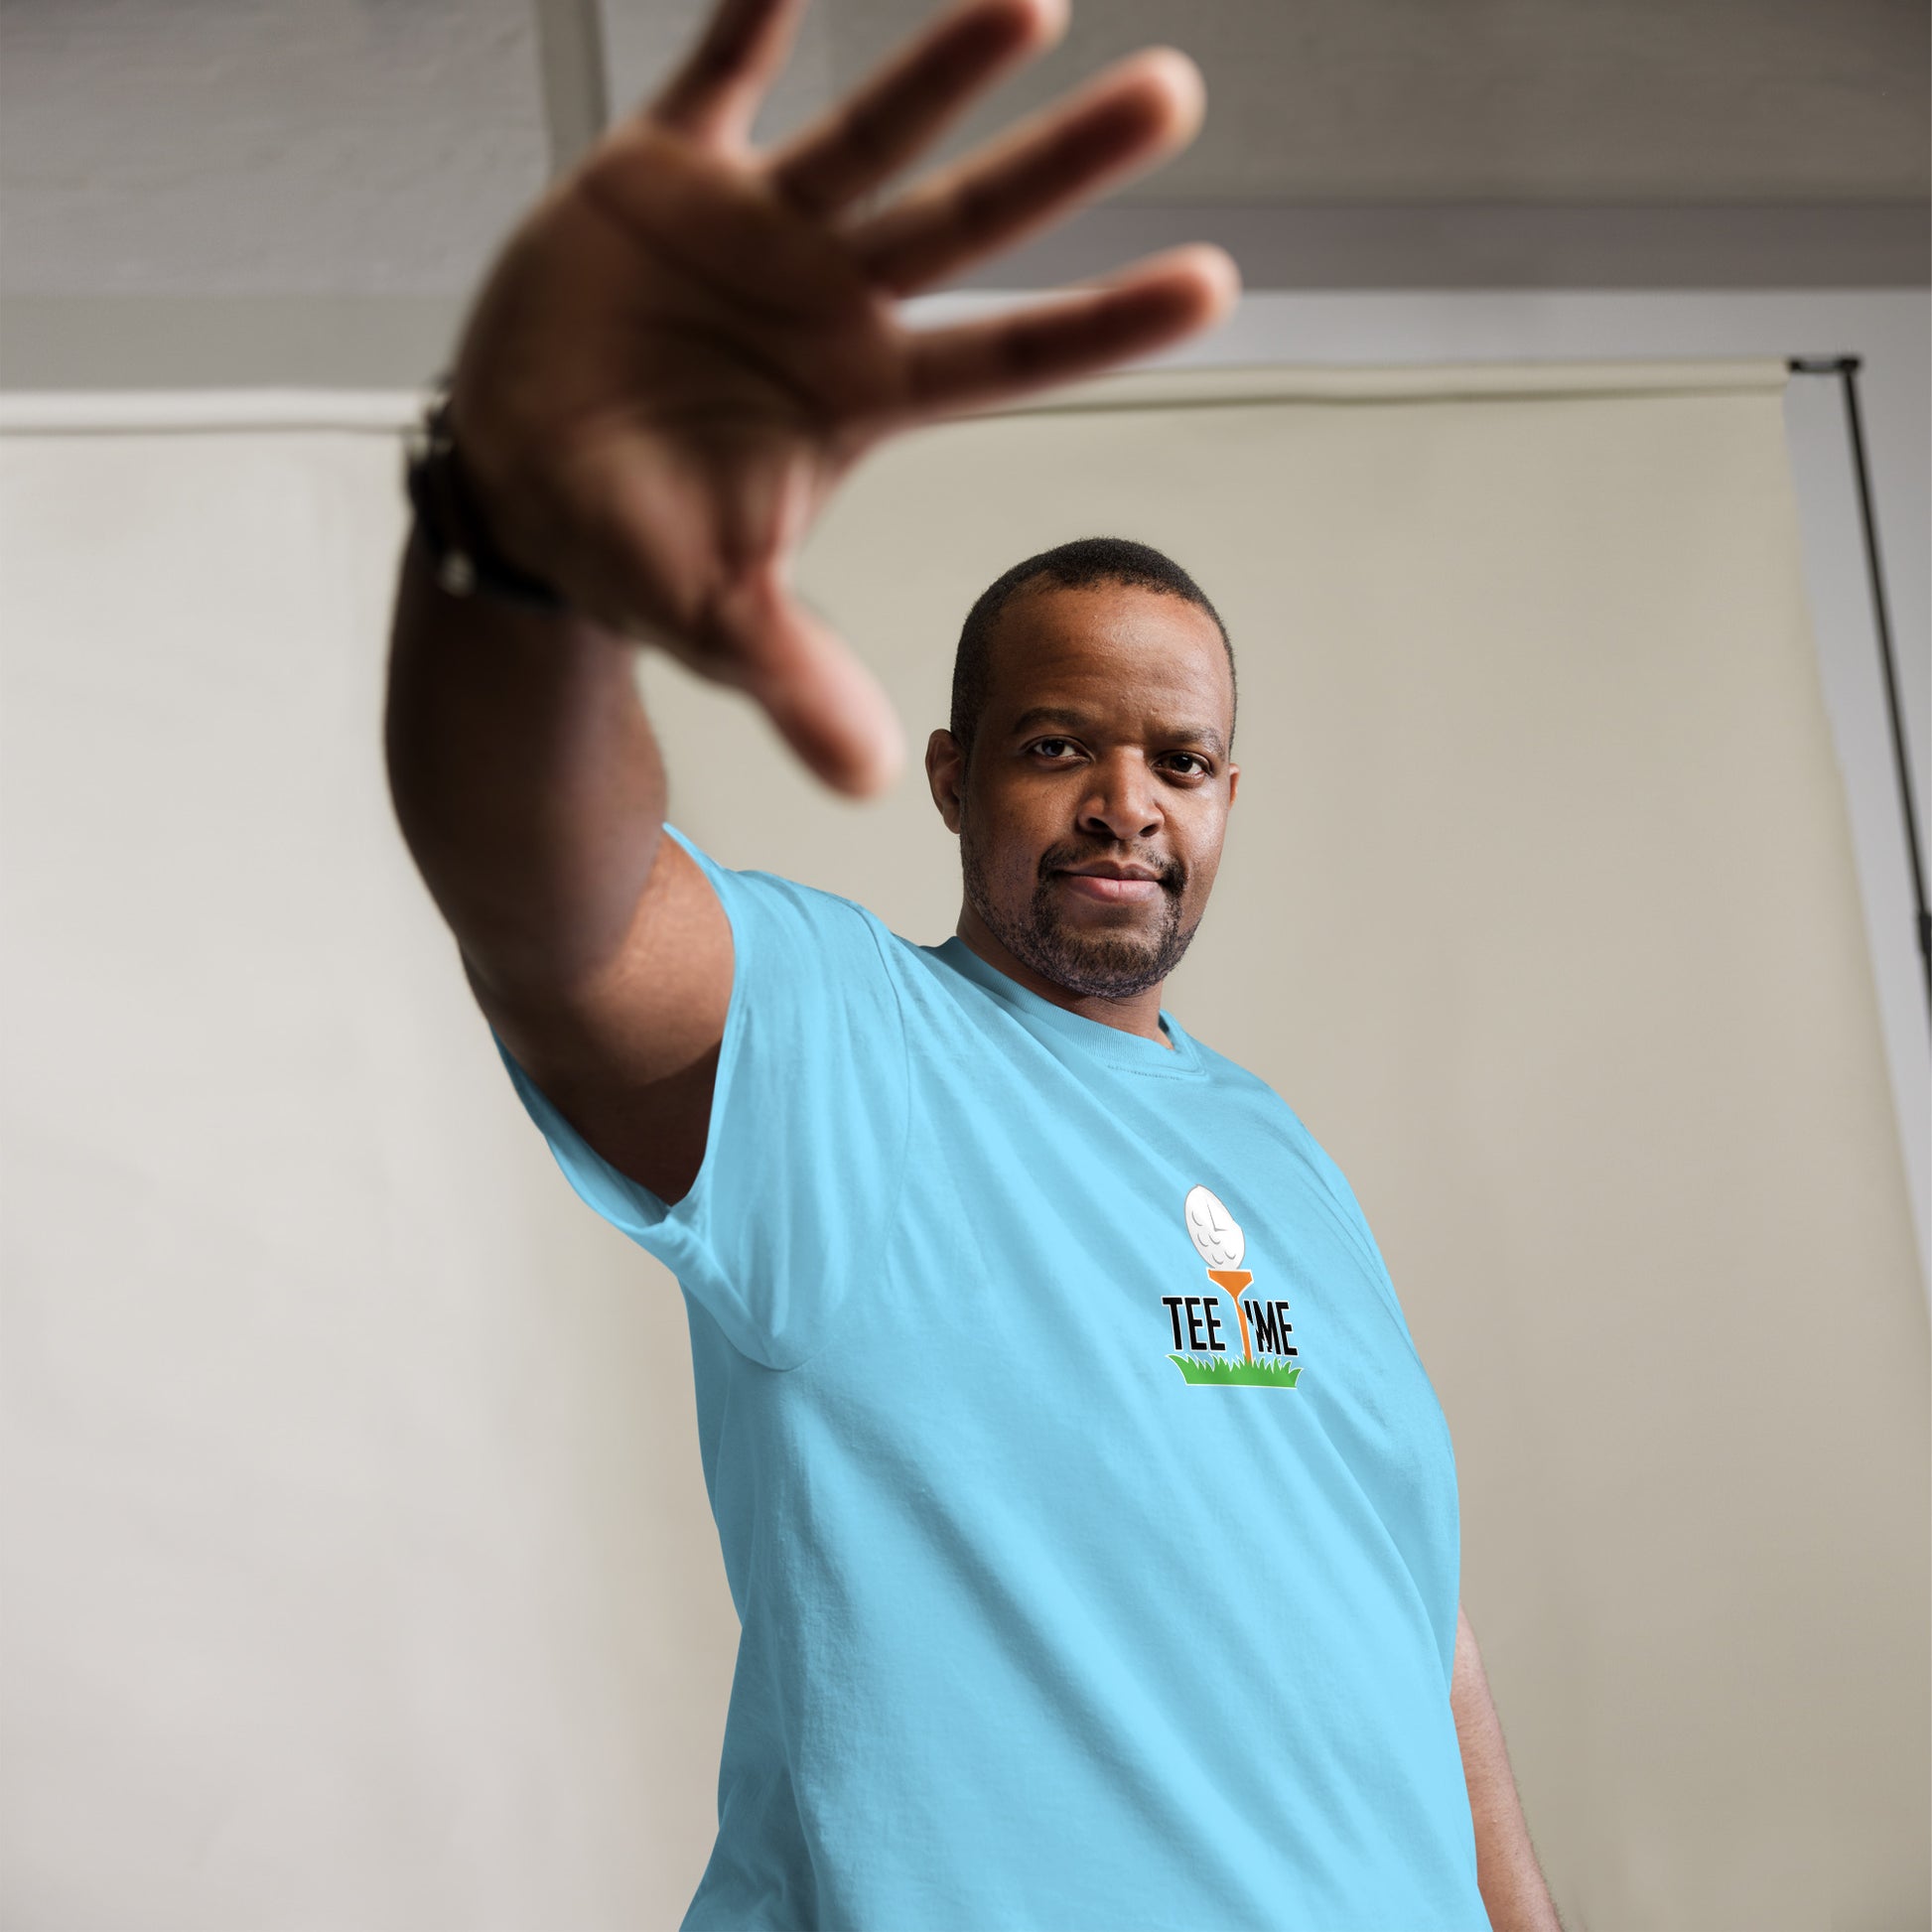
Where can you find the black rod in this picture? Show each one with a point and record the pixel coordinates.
(1847, 367)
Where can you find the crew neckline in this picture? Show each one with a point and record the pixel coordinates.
(1132, 1052)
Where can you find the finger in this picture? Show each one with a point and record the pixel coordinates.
(905, 105)
(1134, 312)
(714, 97)
(826, 705)
(1138, 113)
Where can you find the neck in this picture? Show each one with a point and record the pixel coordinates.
(1138, 1013)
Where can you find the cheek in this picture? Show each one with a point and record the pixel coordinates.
(1201, 878)
(1011, 842)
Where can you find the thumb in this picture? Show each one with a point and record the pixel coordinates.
(827, 705)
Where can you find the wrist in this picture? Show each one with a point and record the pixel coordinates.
(451, 524)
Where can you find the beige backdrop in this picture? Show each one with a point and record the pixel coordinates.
(358, 1567)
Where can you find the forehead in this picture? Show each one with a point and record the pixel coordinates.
(1112, 646)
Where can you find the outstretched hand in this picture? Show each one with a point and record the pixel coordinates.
(686, 344)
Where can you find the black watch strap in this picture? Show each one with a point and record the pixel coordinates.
(466, 563)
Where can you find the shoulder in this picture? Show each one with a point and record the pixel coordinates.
(1270, 1102)
(780, 910)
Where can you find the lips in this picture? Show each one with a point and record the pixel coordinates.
(1108, 889)
(1114, 868)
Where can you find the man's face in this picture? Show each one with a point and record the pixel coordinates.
(1135, 772)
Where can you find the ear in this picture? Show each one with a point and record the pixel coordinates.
(946, 772)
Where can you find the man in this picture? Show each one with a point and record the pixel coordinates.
(1091, 1521)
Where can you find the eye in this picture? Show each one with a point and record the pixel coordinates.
(1205, 770)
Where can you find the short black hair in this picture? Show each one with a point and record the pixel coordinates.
(1068, 566)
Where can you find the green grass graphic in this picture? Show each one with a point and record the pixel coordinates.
(1230, 1371)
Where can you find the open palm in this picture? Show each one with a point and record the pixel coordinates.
(686, 344)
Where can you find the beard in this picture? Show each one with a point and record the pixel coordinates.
(1110, 958)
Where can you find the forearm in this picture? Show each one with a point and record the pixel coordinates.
(526, 776)
(1507, 1874)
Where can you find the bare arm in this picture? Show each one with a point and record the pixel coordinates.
(526, 776)
(1510, 1880)
(531, 792)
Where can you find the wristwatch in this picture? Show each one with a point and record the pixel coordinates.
(466, 563)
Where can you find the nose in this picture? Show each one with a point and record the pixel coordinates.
(1122, 804)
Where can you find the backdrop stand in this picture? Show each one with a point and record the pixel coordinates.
(1845, 367)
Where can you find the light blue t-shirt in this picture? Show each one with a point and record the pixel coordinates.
(1090, 1518)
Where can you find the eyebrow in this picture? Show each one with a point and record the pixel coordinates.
(1054, 713)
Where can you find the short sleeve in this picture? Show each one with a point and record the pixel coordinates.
(1365, 1236)
(807, 1136)
(1353, 1219)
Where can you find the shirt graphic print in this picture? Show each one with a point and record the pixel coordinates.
(1264, 1324)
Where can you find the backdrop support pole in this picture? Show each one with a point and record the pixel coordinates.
(1845, 367)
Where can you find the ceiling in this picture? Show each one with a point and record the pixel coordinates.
(1462, 100)
(371, 152)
